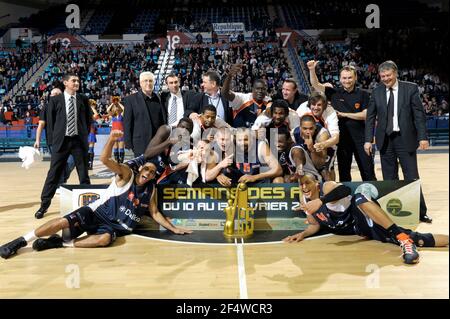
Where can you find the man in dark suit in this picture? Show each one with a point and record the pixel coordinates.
(401, 127)
(211, 95)
(68, 119)
(143, 115)
(175, 101)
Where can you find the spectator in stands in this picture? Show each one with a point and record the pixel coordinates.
(28, 121)
(143, 115)
(214, 37)
(241, 38)
(199, 38)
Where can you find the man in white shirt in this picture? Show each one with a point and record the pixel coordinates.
(318, 107)
(174, 100)
(397, 116)
(211, 95)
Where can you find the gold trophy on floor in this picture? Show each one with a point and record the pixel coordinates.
(238, 206)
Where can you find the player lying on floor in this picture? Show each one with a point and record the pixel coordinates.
(115, 213)
(331, 206)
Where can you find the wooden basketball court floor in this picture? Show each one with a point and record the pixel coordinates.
(136, 267)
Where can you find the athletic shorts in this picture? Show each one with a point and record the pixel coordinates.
(84, 220)
(366, 227)
(92, 138)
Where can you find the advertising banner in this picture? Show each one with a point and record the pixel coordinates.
(228, 28)
(202, 207)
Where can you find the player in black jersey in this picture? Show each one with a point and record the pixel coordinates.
(118, 210)
(162, 150)
(305, 156)
(243, 165)
(331, 206)
(284, 146)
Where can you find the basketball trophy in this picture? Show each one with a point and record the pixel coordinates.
(242, 226)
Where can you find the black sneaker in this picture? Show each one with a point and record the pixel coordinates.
(54, 241)
(9, 249)
(409, 249)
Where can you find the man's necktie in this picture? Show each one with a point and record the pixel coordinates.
(71, 117)
(173, 111)
(390, 113)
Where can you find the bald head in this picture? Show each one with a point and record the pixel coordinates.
(55, 92)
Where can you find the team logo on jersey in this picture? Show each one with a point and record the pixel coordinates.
(357, 106)
(322, 217)
(282, 159)
(133, 199)
(87, 198)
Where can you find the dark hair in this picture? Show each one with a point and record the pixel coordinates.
(171, 75)
(387, 65)
(67, 76)
(213, 76)
(189, 124)
(307, 118)
(292, 81)
(315, 97)
(186, 120)
(284, 131)
(260, 81)
(58, 85)
(281, 104)
(209, 107)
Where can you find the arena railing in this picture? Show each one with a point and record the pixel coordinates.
(304, 83)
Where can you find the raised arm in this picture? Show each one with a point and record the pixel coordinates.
(226, 88)
(159, 142)
(313, 76)
(122, 170)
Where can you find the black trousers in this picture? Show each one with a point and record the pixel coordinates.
(72, 145)
(391, 154)
(347, 147)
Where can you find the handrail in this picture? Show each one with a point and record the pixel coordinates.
(299, 66)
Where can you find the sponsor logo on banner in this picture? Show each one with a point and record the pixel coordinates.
(228, 28)
(274, 204)
(394, 207)
(87, 198)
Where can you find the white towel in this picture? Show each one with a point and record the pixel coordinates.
(29, 156)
